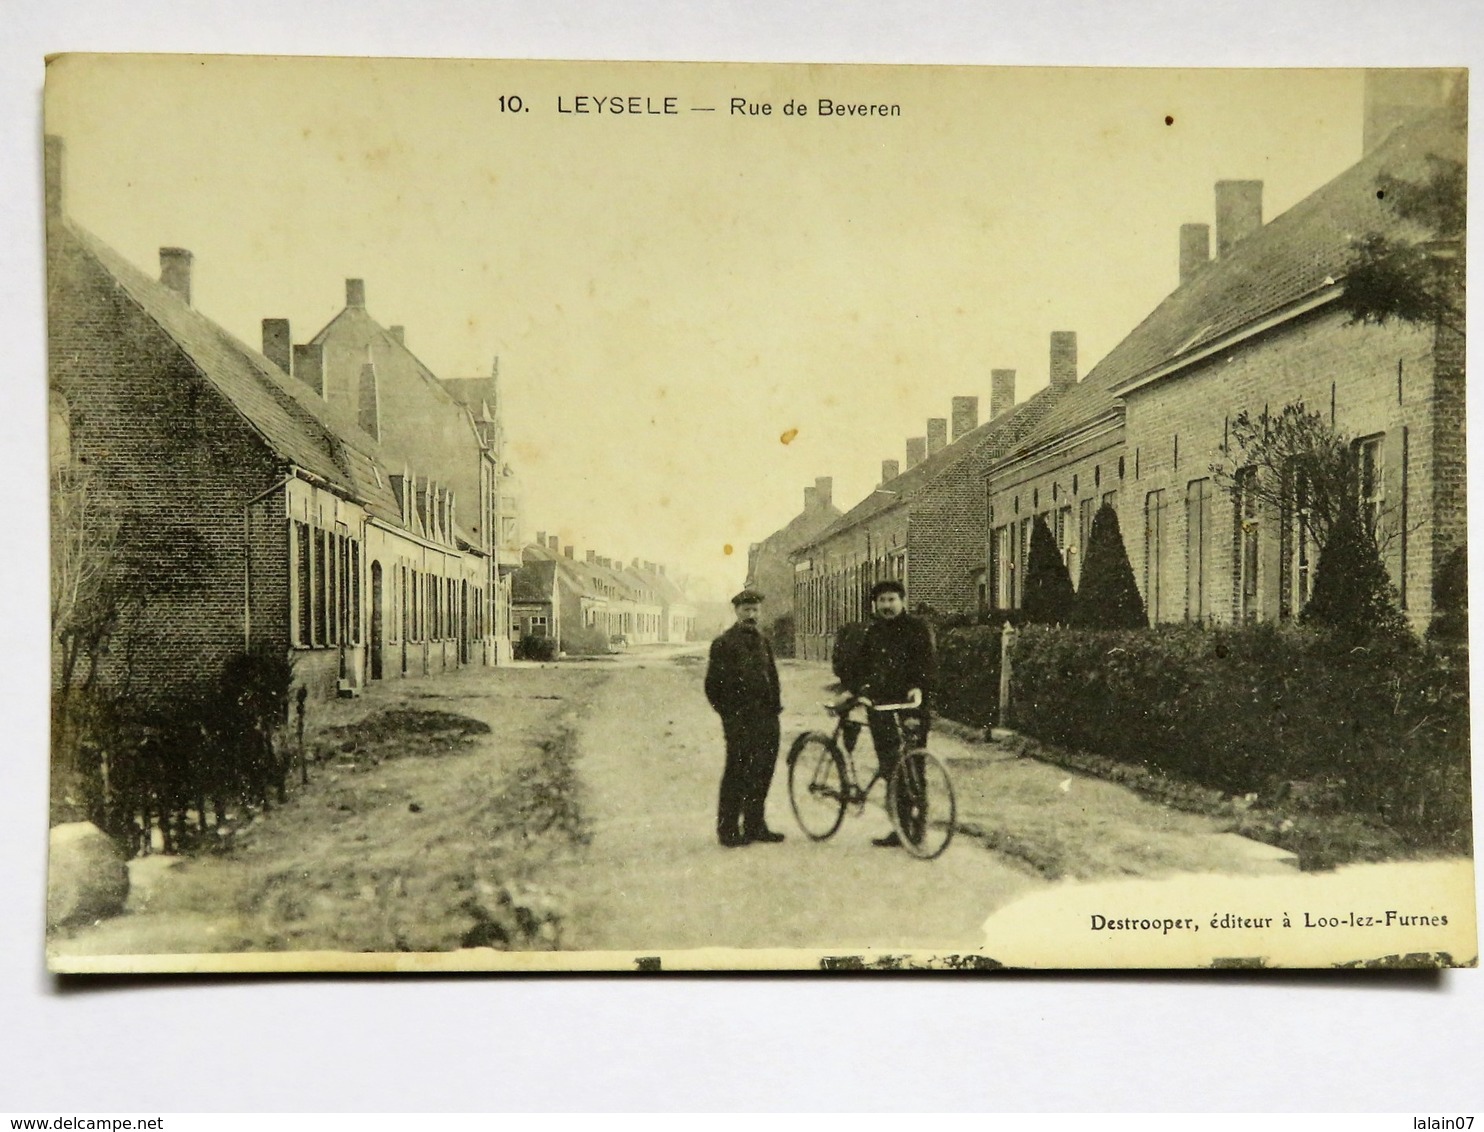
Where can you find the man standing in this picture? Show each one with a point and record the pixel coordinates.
(894, 664)
(742, 685)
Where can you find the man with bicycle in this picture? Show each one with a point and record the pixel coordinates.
(894, 663)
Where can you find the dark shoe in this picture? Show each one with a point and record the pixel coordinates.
(766, 836)
(890, 841)
(732, 840)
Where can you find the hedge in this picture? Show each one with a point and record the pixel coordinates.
(1261, 709)
(536, 648)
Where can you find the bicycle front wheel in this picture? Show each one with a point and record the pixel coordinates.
(921, 805)
(816, 785)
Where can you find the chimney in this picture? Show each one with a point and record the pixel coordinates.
(937, 434)
(399, 334)
(569, 551)
(592, 557)
(355, 293)
(277, 345)
(890, 470)
(965, 415)
(1001, 392)
(368, 403)
(824, 488)
(55, 169)
(662, 569)
(916, 450)
(811, 498)
(541, 538)
(308, 368)
(553, 542)
(1195, 250)
(1238, 213)
(175, 271)
(1063, 359)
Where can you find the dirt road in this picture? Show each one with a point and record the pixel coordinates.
(653, 877)
(572, 806)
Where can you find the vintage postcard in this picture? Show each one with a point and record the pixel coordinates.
(515, 516)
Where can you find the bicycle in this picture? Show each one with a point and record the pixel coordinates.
(822, 783)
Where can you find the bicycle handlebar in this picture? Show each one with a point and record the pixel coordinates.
(869, 707)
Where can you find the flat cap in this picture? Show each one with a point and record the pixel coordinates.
(748, 597)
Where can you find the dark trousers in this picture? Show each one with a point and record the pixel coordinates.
(752, 752)
(888, 741)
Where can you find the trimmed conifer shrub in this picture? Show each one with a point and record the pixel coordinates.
(1108, 597)
(1048, 597)
(1353, 594)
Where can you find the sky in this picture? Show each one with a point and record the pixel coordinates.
(670, 295)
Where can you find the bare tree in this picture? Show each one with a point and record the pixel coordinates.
(1291, 460)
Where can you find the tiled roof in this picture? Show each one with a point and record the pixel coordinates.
(295, 423)
(534, 582)
(661, 585)
(915, 479)
(1297, 256)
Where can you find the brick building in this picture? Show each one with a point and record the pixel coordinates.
(677, 610)
(251, 512)
(596, 597)
(451, 429)
(924, 525)
(1254, 329)
(770, 568)
(1062, 469)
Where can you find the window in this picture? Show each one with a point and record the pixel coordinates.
(1023, 555)
(1197, 547)
(303, 586)
(405, 605)
(1249, 515)
(319, 594)
(355, 592)
(1371, 480)
(1154, 553)
(1085, 511)
(417, 607)
(538, 626)
(999, 568)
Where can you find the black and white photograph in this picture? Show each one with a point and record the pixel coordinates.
(612, 516)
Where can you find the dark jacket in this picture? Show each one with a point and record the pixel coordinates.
(845, 656)
(895, 656)
(741, 676)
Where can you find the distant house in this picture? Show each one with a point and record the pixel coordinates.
(251, 513)
(924, 526)
(535, 601)
(770, 566)
(677, 613)
(566, 597)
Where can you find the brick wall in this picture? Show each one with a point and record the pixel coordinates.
(933, 541)
(1449, 471)
(1379, 381)
(1077, 474)
(172, 458)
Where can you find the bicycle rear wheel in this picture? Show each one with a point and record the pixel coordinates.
(921, 804)
(816, 785)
